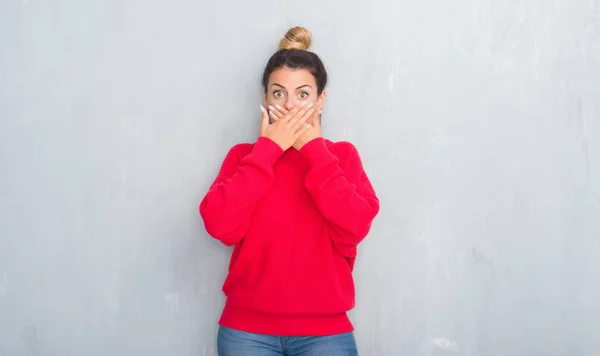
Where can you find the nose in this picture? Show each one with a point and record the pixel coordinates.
(289, 103)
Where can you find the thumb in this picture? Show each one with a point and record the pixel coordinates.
(265, 118)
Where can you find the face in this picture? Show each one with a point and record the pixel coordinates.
(290, 88)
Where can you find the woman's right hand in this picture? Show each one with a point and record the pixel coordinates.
(287, 129)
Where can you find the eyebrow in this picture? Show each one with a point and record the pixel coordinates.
(300, 87)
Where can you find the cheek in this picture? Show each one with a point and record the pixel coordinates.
(271, 100)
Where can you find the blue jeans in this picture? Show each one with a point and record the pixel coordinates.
(232, 342)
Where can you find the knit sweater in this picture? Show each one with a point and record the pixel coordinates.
(295, 218)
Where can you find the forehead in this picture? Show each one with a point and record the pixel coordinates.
(292, 78)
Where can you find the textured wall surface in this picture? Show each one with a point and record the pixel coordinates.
(478, 122)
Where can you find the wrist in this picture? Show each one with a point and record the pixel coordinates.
(268, 149)
(316, 151)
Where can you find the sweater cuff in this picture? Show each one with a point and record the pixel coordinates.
(267, 151)
(316, 152)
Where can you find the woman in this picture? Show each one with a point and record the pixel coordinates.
(295, 206)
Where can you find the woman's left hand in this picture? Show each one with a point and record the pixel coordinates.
(313, 132)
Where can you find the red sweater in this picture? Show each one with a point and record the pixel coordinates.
(295, 219)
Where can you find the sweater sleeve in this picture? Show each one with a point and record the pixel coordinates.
(228, 205)
(345, 197)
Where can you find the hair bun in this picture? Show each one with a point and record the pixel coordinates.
(296, 38)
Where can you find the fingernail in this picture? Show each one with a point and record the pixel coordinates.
(271, 108)
(262, 109)
(278, 107)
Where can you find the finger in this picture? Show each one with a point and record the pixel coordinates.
(290, 114)
(302, 131)
(265, 117)
(303, 119)
(278, 111)
(300, 113)
(273, 116)
(282, 109)
(297, 111)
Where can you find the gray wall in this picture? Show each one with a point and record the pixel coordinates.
(478, 122)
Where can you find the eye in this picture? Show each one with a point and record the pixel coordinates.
(278, 94)
(303, 95)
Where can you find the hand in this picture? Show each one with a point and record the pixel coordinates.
(310, 134)
(286, 130)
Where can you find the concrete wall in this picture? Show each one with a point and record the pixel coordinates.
(478, 122)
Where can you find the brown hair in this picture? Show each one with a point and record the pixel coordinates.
(296, 38)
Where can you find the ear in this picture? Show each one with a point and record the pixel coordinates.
(321, 100)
